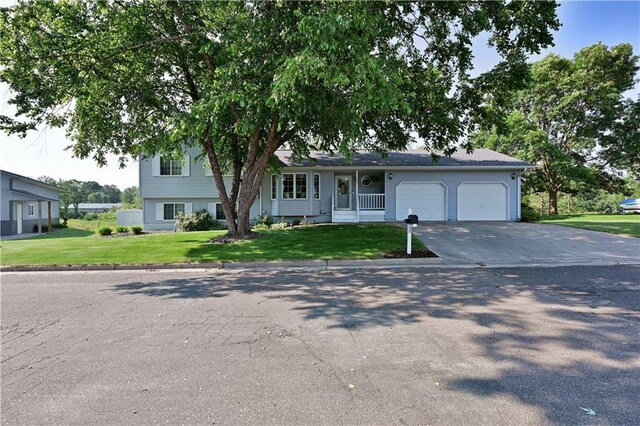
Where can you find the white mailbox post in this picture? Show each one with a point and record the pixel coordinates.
(412, 222)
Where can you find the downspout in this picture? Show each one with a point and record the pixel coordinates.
(357, 198)
(519, 201)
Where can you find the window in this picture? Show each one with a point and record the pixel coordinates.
(170, 167)
(31, 210)
(274, 187)
(294, 185)
(172, 209)
(316, 186)
(220, 212)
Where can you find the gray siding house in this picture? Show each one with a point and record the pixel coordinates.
(26, 204)
(484, 186)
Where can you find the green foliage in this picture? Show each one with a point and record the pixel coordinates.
(260, 226)
(97, 197)
(528, 214)
(122, 229)
(598, 201)
(90, 216)
(137, 230)
(104, 231)
(197, 221)
(242, 79)
(59, 226)
(131, 198)
(305, 221)
(279, 225)
(216, 226)
(265, 219)
(45, 228)
(573, 122)
(295, 222)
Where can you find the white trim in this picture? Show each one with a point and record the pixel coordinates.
(19, 218)
(503, 183)
(313, 185)
(295, 184)
(519, 200)
(446, 195)
(335, 191)
(31, 210)
(171, 168)
(395, 168)
(160, 215)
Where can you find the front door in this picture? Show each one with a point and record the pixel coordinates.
(18, 218)
(343, 192)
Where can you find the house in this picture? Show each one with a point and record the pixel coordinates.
(26, 205)
(484, 185)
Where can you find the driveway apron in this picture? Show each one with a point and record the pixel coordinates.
(487, 243)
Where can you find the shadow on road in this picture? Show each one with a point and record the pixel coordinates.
(567, 334)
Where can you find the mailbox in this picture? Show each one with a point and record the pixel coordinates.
(412, 220)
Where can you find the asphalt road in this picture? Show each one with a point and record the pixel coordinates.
(401, 346)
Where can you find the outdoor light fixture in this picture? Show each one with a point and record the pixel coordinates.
(390, 176)
(513, 175)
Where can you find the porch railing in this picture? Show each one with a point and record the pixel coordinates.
(371, 201)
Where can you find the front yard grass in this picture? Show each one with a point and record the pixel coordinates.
(628, 224)
(329, 242)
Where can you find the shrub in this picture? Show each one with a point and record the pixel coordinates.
(136, 230)
(215, 225)
(295, 222)
(104, 231)
(265, 219)
(528, 214)
(45, 228)
(122, 229)
(198, 221)
(91, 216)
(305, 221)
(260, 226)
(279, 225)
(59, 226)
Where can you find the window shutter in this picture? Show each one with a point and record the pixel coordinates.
(155, 165)
(187, 208)
(207, 168)
(211, 208)
(159, 211)
(185, 165)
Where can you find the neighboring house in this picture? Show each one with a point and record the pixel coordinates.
(26, 204)
(484, 185)
(95, 207)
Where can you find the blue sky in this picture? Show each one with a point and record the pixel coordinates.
(583, 23)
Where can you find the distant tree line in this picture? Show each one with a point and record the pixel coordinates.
(73, 192)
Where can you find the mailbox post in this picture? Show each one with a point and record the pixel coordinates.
(412, 222)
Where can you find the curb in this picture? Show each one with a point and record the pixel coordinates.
(277, 265)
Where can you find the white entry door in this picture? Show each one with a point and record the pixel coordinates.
(19, 218)
(343, 192)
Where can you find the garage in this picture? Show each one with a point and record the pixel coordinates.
(483, 201)
(426, 199)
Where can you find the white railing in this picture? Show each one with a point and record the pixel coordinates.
(371, 201)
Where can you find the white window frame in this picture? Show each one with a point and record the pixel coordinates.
(274, 187)
(316, 195)
(295, 186)
(174, 211)
(31, 210)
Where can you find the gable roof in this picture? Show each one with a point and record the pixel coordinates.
(29, 180)
(414, 159)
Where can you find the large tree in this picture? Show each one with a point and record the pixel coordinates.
(242, 79)
(573, 121)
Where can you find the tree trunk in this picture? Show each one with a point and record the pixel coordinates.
(553, 202)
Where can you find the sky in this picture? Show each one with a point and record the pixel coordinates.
(583, 23)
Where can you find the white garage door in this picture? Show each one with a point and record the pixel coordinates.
(426, 199)
(482, 201)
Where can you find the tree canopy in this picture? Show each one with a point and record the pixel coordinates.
(573, 121)
(242, 79)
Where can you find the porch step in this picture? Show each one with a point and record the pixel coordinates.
(344, 216)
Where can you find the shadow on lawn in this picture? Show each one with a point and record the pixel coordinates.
(589, 322)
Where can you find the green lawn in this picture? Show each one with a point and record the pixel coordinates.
(312, 242)
(628, 224)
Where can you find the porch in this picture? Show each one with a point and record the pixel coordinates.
(359, 197)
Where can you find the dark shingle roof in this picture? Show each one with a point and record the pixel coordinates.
(481, 157)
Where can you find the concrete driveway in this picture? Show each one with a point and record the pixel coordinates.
(489, 243)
